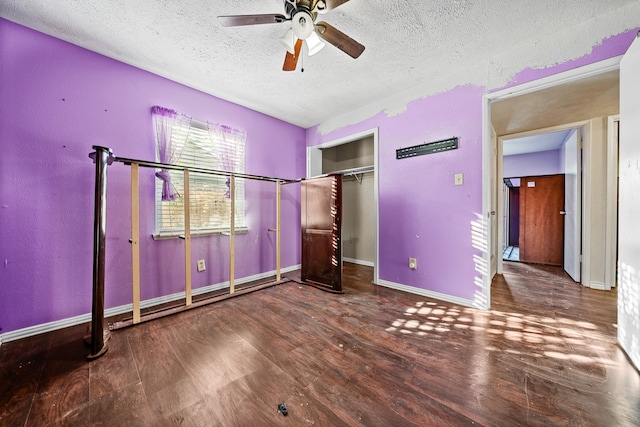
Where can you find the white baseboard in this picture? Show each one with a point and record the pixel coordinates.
(598, 285)
(358, 261)
(428, 294)
(84, 318)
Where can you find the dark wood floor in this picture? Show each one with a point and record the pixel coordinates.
(545, 354)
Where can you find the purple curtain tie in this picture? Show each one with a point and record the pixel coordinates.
(169, 192)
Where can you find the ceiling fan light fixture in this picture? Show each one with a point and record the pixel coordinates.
(289, 40)
(321, 7)
(314, 44)
(302, 25)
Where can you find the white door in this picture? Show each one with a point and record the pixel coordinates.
(629, 205)
(572, 206)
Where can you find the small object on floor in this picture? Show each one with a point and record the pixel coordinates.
(282, 408)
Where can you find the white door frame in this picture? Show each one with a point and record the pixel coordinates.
(489, 150)
(314, 168)
(611, 232)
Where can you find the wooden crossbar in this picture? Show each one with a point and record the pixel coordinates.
(106, 157)
(135, 241)
(232, 234)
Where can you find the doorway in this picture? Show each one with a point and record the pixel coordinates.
(355, 158)
(527, 163)
(583, 96)
(511, 220)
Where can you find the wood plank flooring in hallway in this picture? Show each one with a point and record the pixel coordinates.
(545, 354)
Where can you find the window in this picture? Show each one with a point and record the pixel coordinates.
(211, 147)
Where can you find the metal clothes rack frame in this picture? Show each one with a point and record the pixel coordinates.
(102, 157)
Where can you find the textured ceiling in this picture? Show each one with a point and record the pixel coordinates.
(412, 48)
(596, 96)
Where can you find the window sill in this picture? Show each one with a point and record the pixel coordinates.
(196, 233)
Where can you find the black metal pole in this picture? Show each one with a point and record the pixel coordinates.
(102, 157)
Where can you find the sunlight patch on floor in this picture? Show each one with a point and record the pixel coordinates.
(541, 336)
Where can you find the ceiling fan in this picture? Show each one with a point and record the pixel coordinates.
(303, 15)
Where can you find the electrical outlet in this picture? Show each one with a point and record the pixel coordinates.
(413, 263)
(201, 265)
(459, 179)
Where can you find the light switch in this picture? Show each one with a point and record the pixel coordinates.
(459, 180)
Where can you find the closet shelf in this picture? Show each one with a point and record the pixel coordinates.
(353, 171)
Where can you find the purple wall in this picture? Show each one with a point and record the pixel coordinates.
(421, 213)
(57, 101)
(532, 164)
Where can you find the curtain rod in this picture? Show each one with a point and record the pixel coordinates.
(157, 165)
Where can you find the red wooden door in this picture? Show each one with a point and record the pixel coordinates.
(541, 219)
(321, 209)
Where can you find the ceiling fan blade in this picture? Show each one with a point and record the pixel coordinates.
(339, 39)
(332, 4)
(238, 20)
(291, 59)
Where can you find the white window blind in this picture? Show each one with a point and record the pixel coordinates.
(209, 194)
